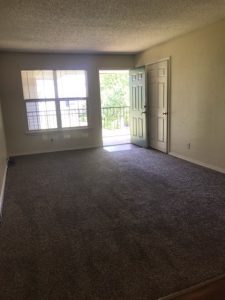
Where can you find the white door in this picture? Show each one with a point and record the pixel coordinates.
(138, 107)
(158, 105)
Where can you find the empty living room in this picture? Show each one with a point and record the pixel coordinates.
(112, 150)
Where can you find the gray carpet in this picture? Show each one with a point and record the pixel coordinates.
(91, 224)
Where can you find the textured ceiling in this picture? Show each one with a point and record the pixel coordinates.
(100, 25)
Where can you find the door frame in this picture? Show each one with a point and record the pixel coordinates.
(168, 59)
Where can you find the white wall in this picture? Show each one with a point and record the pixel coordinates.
(3, 157)
(197, 93)
(21, 142)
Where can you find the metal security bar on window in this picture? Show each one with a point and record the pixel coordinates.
(73, 113)
(41, 115)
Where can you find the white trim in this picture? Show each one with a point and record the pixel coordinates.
(169, 102)
(3, 190)
(57, 130)
(54, 150)
(192, 288)
(197, 162)
(158, 61)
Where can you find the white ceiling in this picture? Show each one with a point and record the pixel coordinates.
(120, 26)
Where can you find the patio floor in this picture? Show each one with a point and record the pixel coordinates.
(116, 136)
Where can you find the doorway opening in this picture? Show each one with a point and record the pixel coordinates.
(115, 106)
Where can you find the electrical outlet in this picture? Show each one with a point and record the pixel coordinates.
(188, 146)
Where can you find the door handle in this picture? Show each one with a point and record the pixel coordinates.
(144, 112)
(165, 113)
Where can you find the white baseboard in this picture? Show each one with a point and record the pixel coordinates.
(3, 190)
(197, 162)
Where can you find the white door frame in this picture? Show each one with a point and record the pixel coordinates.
(168, 59)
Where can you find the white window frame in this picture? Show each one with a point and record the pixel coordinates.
(57, 104)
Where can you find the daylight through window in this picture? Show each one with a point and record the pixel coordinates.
(55, 99)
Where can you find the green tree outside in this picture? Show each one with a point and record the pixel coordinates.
(114, 99)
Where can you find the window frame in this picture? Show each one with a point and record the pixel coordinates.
(57, 103)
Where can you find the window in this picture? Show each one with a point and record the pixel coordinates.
(73, 113)
(55, 99)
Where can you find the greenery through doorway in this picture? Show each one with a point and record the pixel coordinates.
(115, 106)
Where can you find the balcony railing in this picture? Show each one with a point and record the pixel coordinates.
(115, 118)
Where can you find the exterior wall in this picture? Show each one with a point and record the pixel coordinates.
(197, 113)
(19, 141)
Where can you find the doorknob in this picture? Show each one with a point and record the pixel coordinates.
(165, 113)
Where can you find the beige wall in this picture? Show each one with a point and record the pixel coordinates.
(197, 93)
(3, 157)
(21, 142)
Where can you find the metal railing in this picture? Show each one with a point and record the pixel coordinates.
(115, 117)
